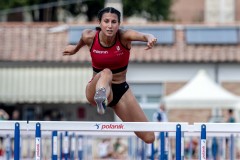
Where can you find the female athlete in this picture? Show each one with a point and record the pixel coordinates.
(110, 49)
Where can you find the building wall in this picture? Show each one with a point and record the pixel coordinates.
(193, 11)
(176, 72)
(194, 115)
(188, 10)
(189, 115)
(237, 10)
(232, 87)
(219, 11)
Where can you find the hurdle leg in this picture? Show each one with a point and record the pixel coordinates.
(143, 151)
(178, 142)
(38, 142)
(203, 145)
(66, 146)
(17, 141)
(130, 148)
(8, 147)
(54, 145)
(153, 151)
(80, 147)
(232, 150)
(73, 147)
(162, 144)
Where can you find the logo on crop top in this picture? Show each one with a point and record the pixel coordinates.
(119, 52)
(118, 48)
(100, 52)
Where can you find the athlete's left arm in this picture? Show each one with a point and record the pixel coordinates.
(132, 35)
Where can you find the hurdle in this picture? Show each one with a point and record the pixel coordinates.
(179, 130)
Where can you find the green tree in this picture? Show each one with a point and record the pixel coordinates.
(153, 10)
(92, 8)
(14, 7)
(49, 13)
(12, 3)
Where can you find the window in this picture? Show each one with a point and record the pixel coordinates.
(147, 94)
(212, 35)
(164, 35)
(149, 113)
(153, 98)
(75, 32)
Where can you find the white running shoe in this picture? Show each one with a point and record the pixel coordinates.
(101, 100)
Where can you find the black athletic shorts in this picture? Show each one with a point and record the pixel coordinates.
(118, 91)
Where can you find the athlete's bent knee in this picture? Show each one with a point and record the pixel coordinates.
(106, 71)
(149, 137)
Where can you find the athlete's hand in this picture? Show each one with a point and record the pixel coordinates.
(151, 42)
(69, 50)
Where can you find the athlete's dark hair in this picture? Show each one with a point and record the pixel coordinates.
(108, 10)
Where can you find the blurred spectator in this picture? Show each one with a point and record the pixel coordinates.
(191, 148)
(105, 149)
(231, 118)
(47, 117)
(215, 148)
(119, 149)
(3, 115)
(53, 115)
(16, 115)
(160, 115)
(1, 148)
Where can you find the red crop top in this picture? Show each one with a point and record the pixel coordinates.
(115, 58)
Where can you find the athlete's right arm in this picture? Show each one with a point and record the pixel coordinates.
(86, 39)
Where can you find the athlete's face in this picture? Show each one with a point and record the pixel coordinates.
(109, 24)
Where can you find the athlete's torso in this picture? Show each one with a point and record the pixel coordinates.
(115, 57)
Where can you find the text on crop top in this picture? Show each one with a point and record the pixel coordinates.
(115, 57)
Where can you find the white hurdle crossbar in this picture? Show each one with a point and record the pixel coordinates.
(95, 126)
(179, 128)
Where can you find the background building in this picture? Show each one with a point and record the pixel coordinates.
(38, 79)
(43, 84)
(214, 11)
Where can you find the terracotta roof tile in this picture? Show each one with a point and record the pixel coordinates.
(34, 42)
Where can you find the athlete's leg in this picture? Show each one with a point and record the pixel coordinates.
(105, 80)
(99, 89)
(128, 110)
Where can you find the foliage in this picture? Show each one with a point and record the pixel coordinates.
(153, 10)
(89, 7)
(93, 8)
(19, 3)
